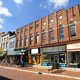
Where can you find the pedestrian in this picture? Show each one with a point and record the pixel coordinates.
(22, 64)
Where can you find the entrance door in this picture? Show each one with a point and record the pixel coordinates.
(55, 58)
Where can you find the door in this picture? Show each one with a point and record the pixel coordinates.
(56, 59)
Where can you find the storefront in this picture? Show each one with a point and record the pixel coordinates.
(34, 56)
(17, 54)
(52, 55)
(73, 54)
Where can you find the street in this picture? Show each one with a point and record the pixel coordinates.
(18, 74)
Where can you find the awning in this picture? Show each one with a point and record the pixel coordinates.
(16, 53)
(2, 54)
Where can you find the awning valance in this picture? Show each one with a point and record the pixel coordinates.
(16, 53)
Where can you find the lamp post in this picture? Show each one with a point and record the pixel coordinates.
(21, 54)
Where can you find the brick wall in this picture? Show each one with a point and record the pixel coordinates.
(67, 17)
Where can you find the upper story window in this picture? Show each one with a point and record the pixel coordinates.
(25, 40)
(52, 34)
(51, 20)
(44, 23)
(61, 32)
(72, 29)
(31, 28)
(60, 17)
(11, 45)
(21, 41)
(22, 32)
(18, 33)
(17, 42)
(26, 29)
(37, 26)
(31, 39)
(44, 36)
(37, 37)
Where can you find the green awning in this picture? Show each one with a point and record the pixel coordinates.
(16, 53)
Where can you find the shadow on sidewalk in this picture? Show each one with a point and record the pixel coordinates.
(58, 71)
(4, 78)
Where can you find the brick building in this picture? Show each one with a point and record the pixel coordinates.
(47, 39)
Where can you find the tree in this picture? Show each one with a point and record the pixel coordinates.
(0, 50)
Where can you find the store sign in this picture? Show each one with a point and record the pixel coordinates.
(73, 46)
(34, 51)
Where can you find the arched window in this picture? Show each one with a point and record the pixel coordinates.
(61, 32)
(37, 37)
(51, 28)
(72, 22)
(51, 34)
(72, 29)
(44, 36)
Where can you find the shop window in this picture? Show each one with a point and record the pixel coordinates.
(61, 57)
(34, 59)
(74, 57)
(52, 35)
(72, 29)
(47, 58)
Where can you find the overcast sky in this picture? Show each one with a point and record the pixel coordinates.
(18, 13)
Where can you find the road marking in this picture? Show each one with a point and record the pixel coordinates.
(42, 73)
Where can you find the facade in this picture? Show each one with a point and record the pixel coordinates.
(4, 40)
(49, 34)
(11, 47)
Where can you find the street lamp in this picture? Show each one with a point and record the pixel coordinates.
(21, 54)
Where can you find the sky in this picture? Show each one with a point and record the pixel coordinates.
(18, 13)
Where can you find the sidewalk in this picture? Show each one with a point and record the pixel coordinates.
(42, 69)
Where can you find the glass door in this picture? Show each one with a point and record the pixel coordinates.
(56, 59)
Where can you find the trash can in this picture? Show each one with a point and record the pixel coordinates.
(78, 65)
(57, 65)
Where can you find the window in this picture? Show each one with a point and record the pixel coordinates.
(22, 31)
(72, 29)
(60, 17)
(11, 45)
(51, 20)
(31, 39)
(17, 42)
(26, 41)
(43, 23)
(37, 26)
(52, 35)
(21, 41)
(18, 33)
(61, 31)
(37, 38)
(44, 37)
(61, 57)
(6, 45)
(26, 29)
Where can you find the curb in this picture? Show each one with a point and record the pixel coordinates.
(42, 73)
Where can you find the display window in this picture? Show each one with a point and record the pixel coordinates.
(61, 57)
(74, 57)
